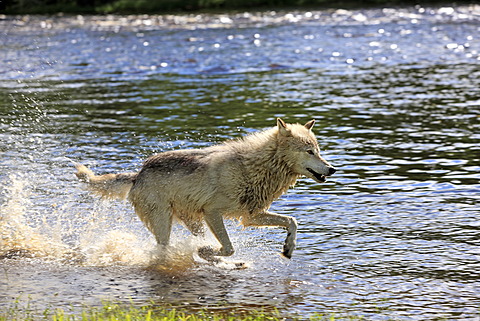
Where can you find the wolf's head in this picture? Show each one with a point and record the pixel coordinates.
(300, 149)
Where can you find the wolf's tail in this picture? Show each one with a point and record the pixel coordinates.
(109, 185)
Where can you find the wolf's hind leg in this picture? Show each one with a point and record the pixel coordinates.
(158, 220)
(161, 227)
(271, 219)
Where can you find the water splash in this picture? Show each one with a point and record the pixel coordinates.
(17, 237)
(100, 241)
(114, 247)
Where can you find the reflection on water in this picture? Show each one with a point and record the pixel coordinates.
(394, 233)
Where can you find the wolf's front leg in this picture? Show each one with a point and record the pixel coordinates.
(271, 219)
(291, 240)
(214, 221)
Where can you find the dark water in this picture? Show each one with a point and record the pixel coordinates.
(395, 233)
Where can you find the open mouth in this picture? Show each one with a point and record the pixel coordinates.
(319, 177)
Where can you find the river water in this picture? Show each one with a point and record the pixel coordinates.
(395, 233)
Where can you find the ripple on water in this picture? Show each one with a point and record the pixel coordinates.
(394, 233)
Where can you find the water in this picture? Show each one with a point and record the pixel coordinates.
(395, 92)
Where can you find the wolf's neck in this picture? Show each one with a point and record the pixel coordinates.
(266, 171)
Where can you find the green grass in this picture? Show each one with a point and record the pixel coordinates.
(113, 311)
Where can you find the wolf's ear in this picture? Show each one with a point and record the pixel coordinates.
(310, 124)
(282, 128)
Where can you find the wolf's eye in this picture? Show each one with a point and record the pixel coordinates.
(310, 152)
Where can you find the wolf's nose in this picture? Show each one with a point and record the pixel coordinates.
(331, 171)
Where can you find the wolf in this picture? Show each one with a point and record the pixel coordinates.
(238, 179)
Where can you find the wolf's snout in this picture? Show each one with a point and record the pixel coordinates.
(331, 171)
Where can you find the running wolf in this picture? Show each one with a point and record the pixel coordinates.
(238, 179)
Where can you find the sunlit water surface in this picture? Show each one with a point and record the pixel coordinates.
(395, 233)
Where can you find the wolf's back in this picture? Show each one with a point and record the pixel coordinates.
(109, 185)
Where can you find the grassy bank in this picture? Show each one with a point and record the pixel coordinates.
(111, 311)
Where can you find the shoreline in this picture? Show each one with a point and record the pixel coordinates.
(125, 7)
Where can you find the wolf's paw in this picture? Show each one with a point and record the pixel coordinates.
(287, 251)
(208, 254)
(286, 255)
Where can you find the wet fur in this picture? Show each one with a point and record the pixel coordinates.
(237, 179)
